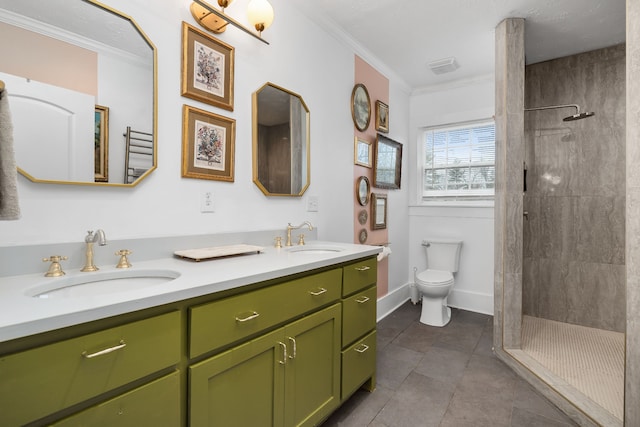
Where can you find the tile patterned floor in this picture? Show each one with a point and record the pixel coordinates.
(446, 377)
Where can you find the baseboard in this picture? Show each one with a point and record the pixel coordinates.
(471, 301)
(388, 303)
(464, 300)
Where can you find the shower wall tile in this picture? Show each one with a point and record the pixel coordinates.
(596, 296)
(601, 229)
(557, 228)
(512, 316)
(531, 226)
(599, 164)
(552, 289)
(556, 161)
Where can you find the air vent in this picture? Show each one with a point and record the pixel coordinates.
(443, 66)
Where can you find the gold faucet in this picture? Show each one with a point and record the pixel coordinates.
(291, 227)
(90, 239)
(55, 270)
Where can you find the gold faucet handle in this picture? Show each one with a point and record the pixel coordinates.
(124, 261)
(55, 269)
(301, 239)
(278, 242)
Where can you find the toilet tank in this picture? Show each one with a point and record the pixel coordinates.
(443, 254)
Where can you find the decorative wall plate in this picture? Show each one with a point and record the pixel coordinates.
(362, 236)
(363, 216)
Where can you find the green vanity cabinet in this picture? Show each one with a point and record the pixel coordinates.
(155, 404)
(359, 300)
(43, 380)
(288, 377)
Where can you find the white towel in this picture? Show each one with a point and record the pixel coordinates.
(9, 207)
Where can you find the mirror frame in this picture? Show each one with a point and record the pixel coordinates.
(254, 125)
(363, 199)
(382, 140)
(155, 113)
(376, 210)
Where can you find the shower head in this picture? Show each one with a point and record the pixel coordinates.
(577, 116)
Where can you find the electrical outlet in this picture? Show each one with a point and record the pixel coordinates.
(312, 204)
(206, 201)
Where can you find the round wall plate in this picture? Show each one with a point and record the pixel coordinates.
(363, 216)
(362, 236)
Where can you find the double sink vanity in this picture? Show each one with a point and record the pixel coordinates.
(279, 337)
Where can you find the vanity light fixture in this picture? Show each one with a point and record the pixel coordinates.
(260, 14)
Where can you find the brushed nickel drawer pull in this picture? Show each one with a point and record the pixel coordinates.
(284, 353)
(363, 268)
(320, 292)
(362, 349)
(86, 355)
(253, 315)
(295, 348)
(362, 300)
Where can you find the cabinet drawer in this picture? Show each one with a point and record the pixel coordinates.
(223, 322)
(44, 380)
(358, 315)
(358, 364)
(155, 404)
(359, 275)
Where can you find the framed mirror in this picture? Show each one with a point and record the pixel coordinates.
(83, 100)
(363, 153)
(362, 190)
(387, 165)
(281, 144)
(378, 211)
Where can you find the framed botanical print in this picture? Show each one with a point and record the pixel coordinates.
(360, 107)
(101, 141)
(382, 117)
(207, 68)
(208, 145)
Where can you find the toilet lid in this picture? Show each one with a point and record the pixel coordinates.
(435, 277)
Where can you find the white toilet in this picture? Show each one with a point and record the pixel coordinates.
(435, 283)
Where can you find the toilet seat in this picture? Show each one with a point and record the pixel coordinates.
(435, 278)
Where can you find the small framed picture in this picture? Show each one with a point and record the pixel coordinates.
(207, 68)
(101, 140)
(363, 152)
(208, 145)
(382, 117)
(360, 107)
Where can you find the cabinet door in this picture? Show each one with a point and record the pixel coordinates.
(312, 387)
(241, 387)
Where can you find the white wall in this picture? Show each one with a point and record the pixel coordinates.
(301, 57)
(459, 102)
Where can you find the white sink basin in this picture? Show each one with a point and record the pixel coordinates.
(315, 249)
(100, 283)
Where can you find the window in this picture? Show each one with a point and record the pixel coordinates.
(459, 161)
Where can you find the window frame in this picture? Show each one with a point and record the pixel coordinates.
(462, 197)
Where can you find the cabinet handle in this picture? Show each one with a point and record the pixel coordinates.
(320, 292)
(363, 268)
(284, 353)
(86, 355)
(362, 300)
(362, 349)
(253, 315)
(295, 349)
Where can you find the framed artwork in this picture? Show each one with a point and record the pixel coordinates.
(387, 165)
(360, 107)
(382, 117)
(208, 145)
(101, 144)
(207, 68)
(378, 211)
(363, 153)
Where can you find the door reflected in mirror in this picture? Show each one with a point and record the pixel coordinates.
(280, 142)
(80, 75)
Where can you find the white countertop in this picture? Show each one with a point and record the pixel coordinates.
(23, 315)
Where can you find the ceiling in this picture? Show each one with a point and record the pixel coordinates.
(405, 35)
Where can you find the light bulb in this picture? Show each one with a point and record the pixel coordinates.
(260, 13)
